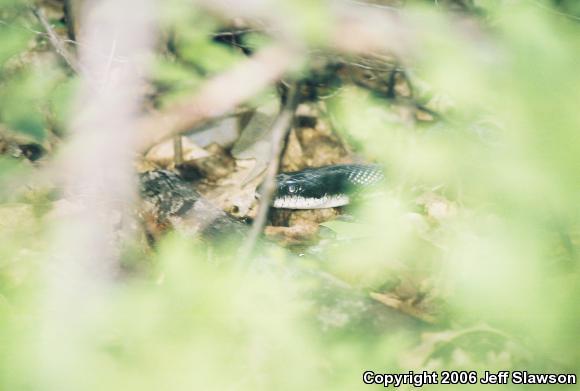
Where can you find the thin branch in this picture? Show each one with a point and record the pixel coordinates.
(219, 96)
(56, 42)
(177, 150)
(280, 129)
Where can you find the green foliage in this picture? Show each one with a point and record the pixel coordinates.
(26, 85)
(195, 327)
(567, 8)
(60, 99)
(516, 180)
(24, 98)
(495, 241)
(192, 34)
(310, 20)
(174, 79)
(12, 41)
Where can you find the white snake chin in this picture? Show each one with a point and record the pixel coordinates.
(298, 202)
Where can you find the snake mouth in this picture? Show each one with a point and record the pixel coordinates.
(299, 202)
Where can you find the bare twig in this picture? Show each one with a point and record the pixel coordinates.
(219, 96)
(56, 42)
(280, 129)
(360, 30)
(177, 150)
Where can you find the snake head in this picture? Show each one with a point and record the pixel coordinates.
(323, 187)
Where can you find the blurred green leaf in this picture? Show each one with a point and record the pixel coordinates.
(347, 230)
(61, 101)
(24, 97)
(174, 79)
(310, 20)
(12, 41)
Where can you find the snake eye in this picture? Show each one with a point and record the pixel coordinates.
(292, 188)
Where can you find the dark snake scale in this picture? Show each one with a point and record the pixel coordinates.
(324, 187)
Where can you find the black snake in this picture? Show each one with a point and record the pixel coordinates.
(324, 187)
(172, 201)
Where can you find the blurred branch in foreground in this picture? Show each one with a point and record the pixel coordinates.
(346, 26)
(218, 96)
(97, 174)
(358, 31)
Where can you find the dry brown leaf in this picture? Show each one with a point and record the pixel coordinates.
(295, 235)
(405, 306)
